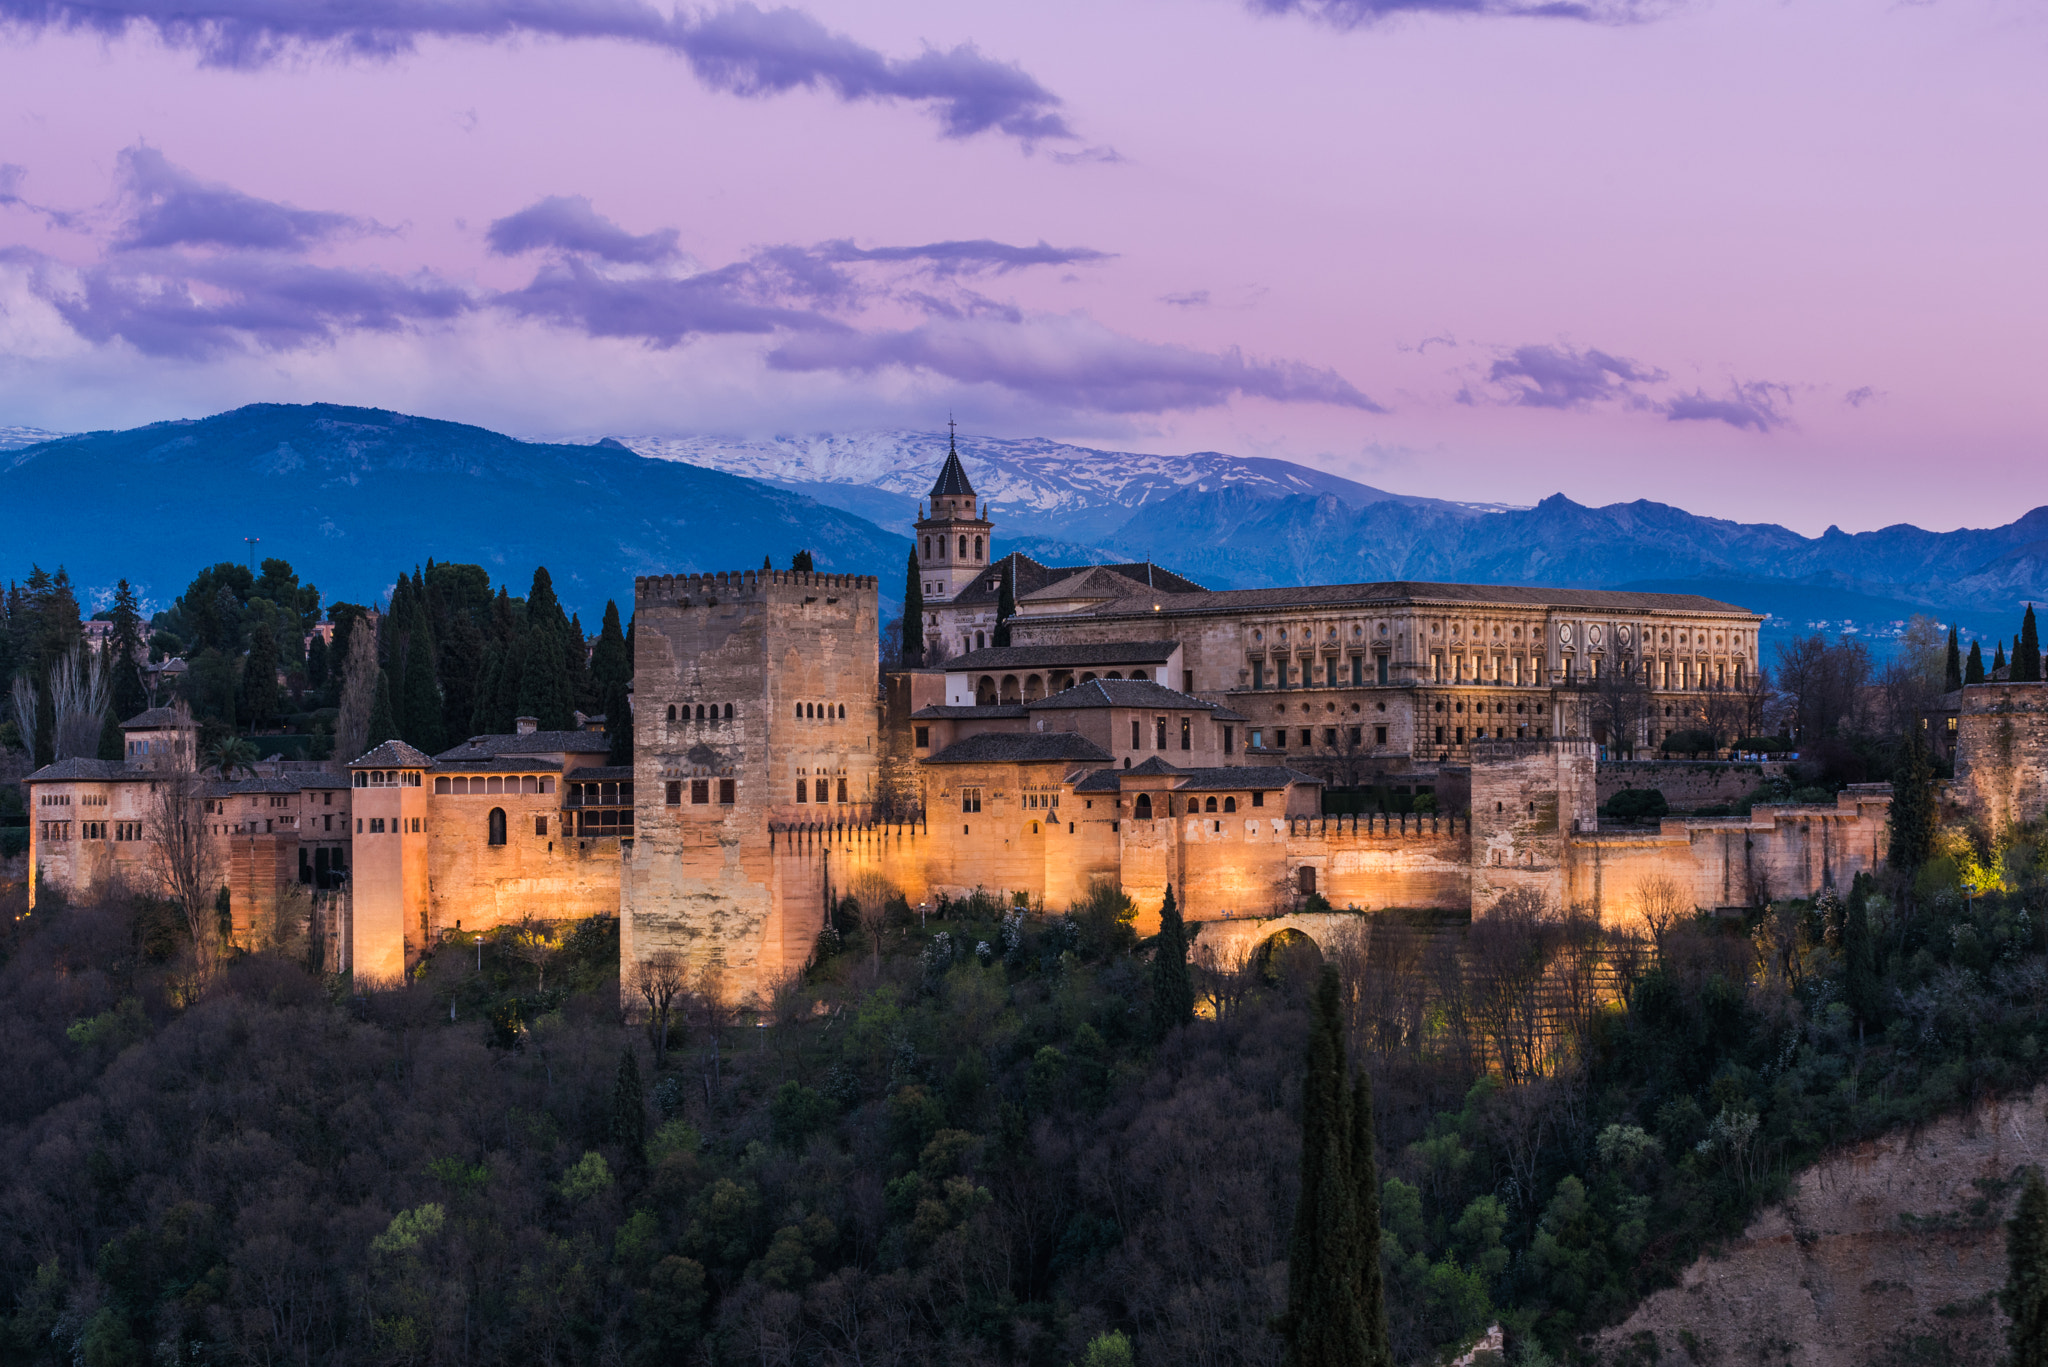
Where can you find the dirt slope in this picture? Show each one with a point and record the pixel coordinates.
(1888, 1253)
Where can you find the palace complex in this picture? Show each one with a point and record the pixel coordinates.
(1073, 724)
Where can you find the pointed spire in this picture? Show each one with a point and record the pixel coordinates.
(952, 481)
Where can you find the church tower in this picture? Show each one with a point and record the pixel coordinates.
(953, 542)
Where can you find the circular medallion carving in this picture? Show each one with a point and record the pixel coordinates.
(1564, 632)
(1594, 635)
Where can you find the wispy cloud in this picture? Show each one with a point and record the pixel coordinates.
(1559, 377)
(1754, 405)
(568, 223)
(741, 48)
(167, 206)
(1567, 378)
(1348, 14)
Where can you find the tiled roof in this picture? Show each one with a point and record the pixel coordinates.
(601, 773)
(1079, 653)
(532, 743)
(1403, 592)
(949, 712)
(952, 481)
(1129, 693)
(393, 754)
(498, 764)
(80, 770)
(157, 719)
(1028, 577)
(258, 784)
(1236, 778)
(997, 747)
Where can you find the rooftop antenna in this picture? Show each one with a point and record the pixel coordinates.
(252, 540)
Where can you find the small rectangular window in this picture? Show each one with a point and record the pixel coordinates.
(1229, 740)
(1379, 735)
(1187, 733)
(1330, 736)
(725, 792)
(1279, 738)
(376, 825)
(802, 791)
(924, 738)
(1258, 673)
(1187, 681)
(540, 825)
(1258, 799)
(1305, 742)
(1135, 742)
(970, 799)
(700, 792)
(1357, 736)
(842, 790)
(1439, 735)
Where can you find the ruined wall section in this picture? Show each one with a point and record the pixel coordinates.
(1689, 783)
(789, 653)
(1528, 797)
(2002, 753)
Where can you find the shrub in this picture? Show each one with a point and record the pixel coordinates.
(1637, 804)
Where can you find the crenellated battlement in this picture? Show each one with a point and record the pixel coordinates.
(668, 586)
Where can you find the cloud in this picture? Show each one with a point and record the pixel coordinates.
(1070, 360)
(1193, 299)
(663, 312)
(1751, 405)
(568, 223)
(11, 177)
(1856, 398)
(740, 49)
(964, 258)
(1350, 14)
(169, 207)
(1559, 377)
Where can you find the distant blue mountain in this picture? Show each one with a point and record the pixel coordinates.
(355, 496)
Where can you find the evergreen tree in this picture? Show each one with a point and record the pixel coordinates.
(618, 723)
(1973, 672)
(1913, 813)
(421, 713)
(913, 613)
(483, 713)
(1998, 658)
(1952, 675)
(1006, 608)
(585, 695)
(2025, 1297)
(629, 1110)
(125, 692)
(2026, 652)
(800, 563)
(259, 679)
(767, 562)
(1336, 1304)
(1173, 987)
(608, 663)
(544, 691)
(383, 726)
(316, 665)
(1860, 986)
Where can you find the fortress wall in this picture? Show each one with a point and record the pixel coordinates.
(475, 885)
(2001, 753)
(1527, 798)
(1688, 783)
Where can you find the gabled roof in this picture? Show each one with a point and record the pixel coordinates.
(995, 747)
(394, 754)
(950, 712)
(1080, 653)
(1141, 693)
(1244, 778)
(952, 481)
(81, 770)
(1028, 576)
(1401, 592)
(532, 743)
(158, 719)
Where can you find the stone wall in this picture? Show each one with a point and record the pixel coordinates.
(2002, 753)
(1687, 784)
(1528, 798)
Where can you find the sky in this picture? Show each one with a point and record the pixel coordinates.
(1770, 260)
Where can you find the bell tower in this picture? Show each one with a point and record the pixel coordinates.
(953, 543)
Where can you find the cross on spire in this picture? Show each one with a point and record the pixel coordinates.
(950, 426)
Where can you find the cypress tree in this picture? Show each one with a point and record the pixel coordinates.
(1860, 986)
(2026, 652)
(608, 662)
(1973, 672)
(1998, 658)
(1173, 987)
(126, 694)
(422, 691)
(618, 723)
(1006, 608)
(629, 1110)
(1913, 813)
(316, 666)
(1952, 675)
(1336, 1303)
(2025, 1297)
(913, 613)
(259, 679)
(544, 689)
(383, 726)
(481, 718)
(800, 563)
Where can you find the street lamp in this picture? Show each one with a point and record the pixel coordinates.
(479, 951)
(922, 907)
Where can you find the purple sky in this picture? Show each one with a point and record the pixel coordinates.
(1766, 259)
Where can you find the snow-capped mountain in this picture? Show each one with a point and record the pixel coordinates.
(12, 438)
(1035, 485)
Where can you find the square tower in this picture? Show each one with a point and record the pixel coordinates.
(953, 543)
(754, 709)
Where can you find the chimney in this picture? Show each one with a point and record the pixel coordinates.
(526, 726)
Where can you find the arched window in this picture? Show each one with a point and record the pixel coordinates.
(1210, 805)
(1229, 804)
(497, 825)
(802, 791)
(799, 711)
(842, 711)
(963, 548)
(977, 548)
(1034, 828)
(671, 711)
(927, 548)
(728, 711)
(1143, 809)
(700, 711)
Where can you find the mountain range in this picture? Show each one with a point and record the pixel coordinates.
(353, 495)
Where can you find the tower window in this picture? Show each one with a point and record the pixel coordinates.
(963, 548)
(497, 825)
(977, 548)
(1187, 733)
(700, 791)
(725, 792)
(927, 548)
(842, 790)
(1134, 733)
(802, 791)
(672, 793)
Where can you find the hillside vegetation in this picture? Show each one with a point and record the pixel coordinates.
(961, 1142)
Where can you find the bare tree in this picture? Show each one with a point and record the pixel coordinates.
(659, 978)
(533, 942)
(1225, 977)
(872, 893)
(358, 690)
(1662, 904)
(1621, 705)
(1827, 683)
(26, 706)
(184, 859)
(78, 704)
(1508, 948)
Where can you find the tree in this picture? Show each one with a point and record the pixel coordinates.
(1860, 983)
(608, 662)
(1336, 1302)
(1952, 670)
(2025, 1297)
(2026, 653)
(1973, 673)
(259, 679)
(1173, 986)
(382, 725)
(1998, 659)
(358, 688)
(125, 688)
(618, 722)
(421, 712)
(629, 1110)
(913, 612)
(183, 857)
(660, 979)
(1621, 705)
(1006, 608)
(1913, 806)
(1826, 681)
(800, 563)
(231, 755)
